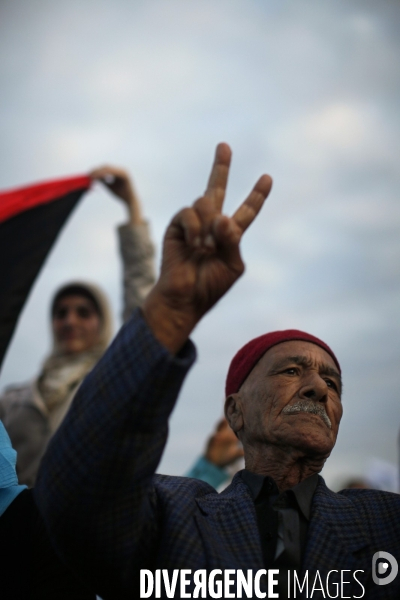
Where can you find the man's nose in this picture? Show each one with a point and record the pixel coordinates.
(314, 388)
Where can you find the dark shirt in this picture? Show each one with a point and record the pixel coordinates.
(30, 568)
(282, 520)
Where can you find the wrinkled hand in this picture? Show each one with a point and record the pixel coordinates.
(118, 181)
(201, 257)
(223, 447)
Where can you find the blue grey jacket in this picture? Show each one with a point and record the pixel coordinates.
(109, 515)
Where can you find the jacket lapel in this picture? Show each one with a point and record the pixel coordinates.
(228, 526)
(336, 541)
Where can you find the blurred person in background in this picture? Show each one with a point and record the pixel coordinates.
(221, 459)
(30, 568)
(356, 483)
(81, 329)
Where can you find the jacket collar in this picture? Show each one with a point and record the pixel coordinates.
(336, 541)
(228, 525)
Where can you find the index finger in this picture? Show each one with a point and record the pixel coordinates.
(247, 212)
(218, 179)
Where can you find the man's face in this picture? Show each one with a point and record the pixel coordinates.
(76, 324)
(292, 398)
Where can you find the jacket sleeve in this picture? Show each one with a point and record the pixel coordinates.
(137, 252)
(95, 487)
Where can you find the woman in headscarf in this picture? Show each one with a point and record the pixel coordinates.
(82, 329)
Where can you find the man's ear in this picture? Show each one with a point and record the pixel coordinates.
(233, 412)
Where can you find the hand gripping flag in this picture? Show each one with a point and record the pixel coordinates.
(30, 220)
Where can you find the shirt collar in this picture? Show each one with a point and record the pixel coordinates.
(258, 483)
(303, 492)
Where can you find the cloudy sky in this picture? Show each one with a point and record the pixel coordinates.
(307, 91)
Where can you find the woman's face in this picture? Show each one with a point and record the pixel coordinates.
(76, 324)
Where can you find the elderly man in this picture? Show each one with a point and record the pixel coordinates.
(135, 534)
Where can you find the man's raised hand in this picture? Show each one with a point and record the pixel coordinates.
(201, 257)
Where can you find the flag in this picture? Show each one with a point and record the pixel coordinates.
(30, 220)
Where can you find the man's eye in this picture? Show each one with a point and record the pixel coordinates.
(331, 384)
(291, 371)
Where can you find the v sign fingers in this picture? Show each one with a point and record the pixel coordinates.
(201, 257)
(228, 232)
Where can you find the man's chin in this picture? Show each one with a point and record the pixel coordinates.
(312, 441)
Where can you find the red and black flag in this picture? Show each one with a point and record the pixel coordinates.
(30, 220)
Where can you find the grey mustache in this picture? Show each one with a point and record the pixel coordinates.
(308, 406)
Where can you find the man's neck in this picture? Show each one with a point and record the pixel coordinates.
(287, 466)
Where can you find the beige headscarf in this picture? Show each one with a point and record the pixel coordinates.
(62, 373)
